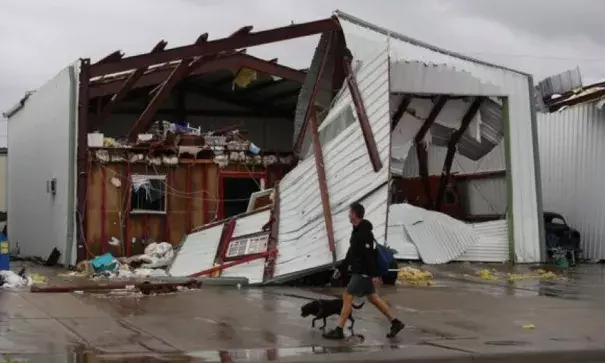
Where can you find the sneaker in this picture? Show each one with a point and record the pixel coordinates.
(335, 334)
(396, 327)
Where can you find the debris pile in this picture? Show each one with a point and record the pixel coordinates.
(539, 274)
(151, 263)
(167, 143)
(13, 280)
(415, 277)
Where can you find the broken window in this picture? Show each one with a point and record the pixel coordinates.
(148, 194)
(247, 245)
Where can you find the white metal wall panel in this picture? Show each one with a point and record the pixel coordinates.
(40, 142)
(486, 196)
(3, 182)
(302, 242)
(251, 223)
(197, 252)
(514, 85)
(253, 271)
(494, 161)
(571, 155)
(412, 76)
(492, 245)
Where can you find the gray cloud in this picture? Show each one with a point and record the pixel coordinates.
(41, 37)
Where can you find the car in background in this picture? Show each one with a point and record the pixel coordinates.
(561, 239)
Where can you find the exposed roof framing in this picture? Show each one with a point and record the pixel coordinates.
(125, 88)
(239, 39)
(184, 68)
(103, 87)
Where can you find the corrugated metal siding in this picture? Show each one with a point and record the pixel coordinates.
(251, 224)
(419, 77)
(197, 252)
(514, 85)
(495, 160)
(492, 245)
(486, 196)
(39, 142)
(3, 182)
(253, 271)
(571, 158)
(302, 242)
(440, 238)
(491, 240)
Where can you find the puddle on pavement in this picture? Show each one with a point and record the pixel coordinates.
(80, 355)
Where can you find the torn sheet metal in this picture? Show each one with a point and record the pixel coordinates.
(197, 252)
(302, 240)
(433, 237)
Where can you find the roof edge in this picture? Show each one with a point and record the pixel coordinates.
(18, 106)
(419, 43)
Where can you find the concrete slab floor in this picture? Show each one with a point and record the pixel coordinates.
(454, 321)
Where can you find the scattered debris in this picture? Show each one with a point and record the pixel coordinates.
(493, 275)
(528, 326)
(414, 276)
(14, 280)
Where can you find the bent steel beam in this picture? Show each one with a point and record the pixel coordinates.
(451, 149)
(421, 152)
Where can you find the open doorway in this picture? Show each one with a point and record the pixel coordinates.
(236, 189)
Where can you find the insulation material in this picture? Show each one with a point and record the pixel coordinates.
(197, 252)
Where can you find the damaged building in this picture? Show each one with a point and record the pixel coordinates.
(570, 131)
(439, 147)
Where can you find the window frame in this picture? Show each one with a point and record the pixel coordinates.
(248, 238)
(163, 178)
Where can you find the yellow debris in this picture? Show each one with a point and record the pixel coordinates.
(244, 77)
(529, 326)
(414, 276)
(548, 275)
(38, 279)
(486, 274)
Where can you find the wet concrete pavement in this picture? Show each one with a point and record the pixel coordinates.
(459, 319)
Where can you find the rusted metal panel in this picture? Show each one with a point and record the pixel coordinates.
(217, 46)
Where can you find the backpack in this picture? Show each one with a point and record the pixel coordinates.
(384, 259)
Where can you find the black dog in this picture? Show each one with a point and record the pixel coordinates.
(322, 309)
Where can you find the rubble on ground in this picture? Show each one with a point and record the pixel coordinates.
(414, 276)
(151, 264)
(539, 274)
(14, 280)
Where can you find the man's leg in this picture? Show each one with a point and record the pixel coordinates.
(338, 333)
(381, 305)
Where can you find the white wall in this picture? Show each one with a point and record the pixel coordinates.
(41, 140)
(3, 182)
(572, 145)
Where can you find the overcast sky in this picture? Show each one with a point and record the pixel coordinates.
(542, 37)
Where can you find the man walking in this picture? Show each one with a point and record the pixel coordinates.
(361, 257)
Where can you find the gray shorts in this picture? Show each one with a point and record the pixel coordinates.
(360, 286)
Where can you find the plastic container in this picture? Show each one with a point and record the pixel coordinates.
(4, 253)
